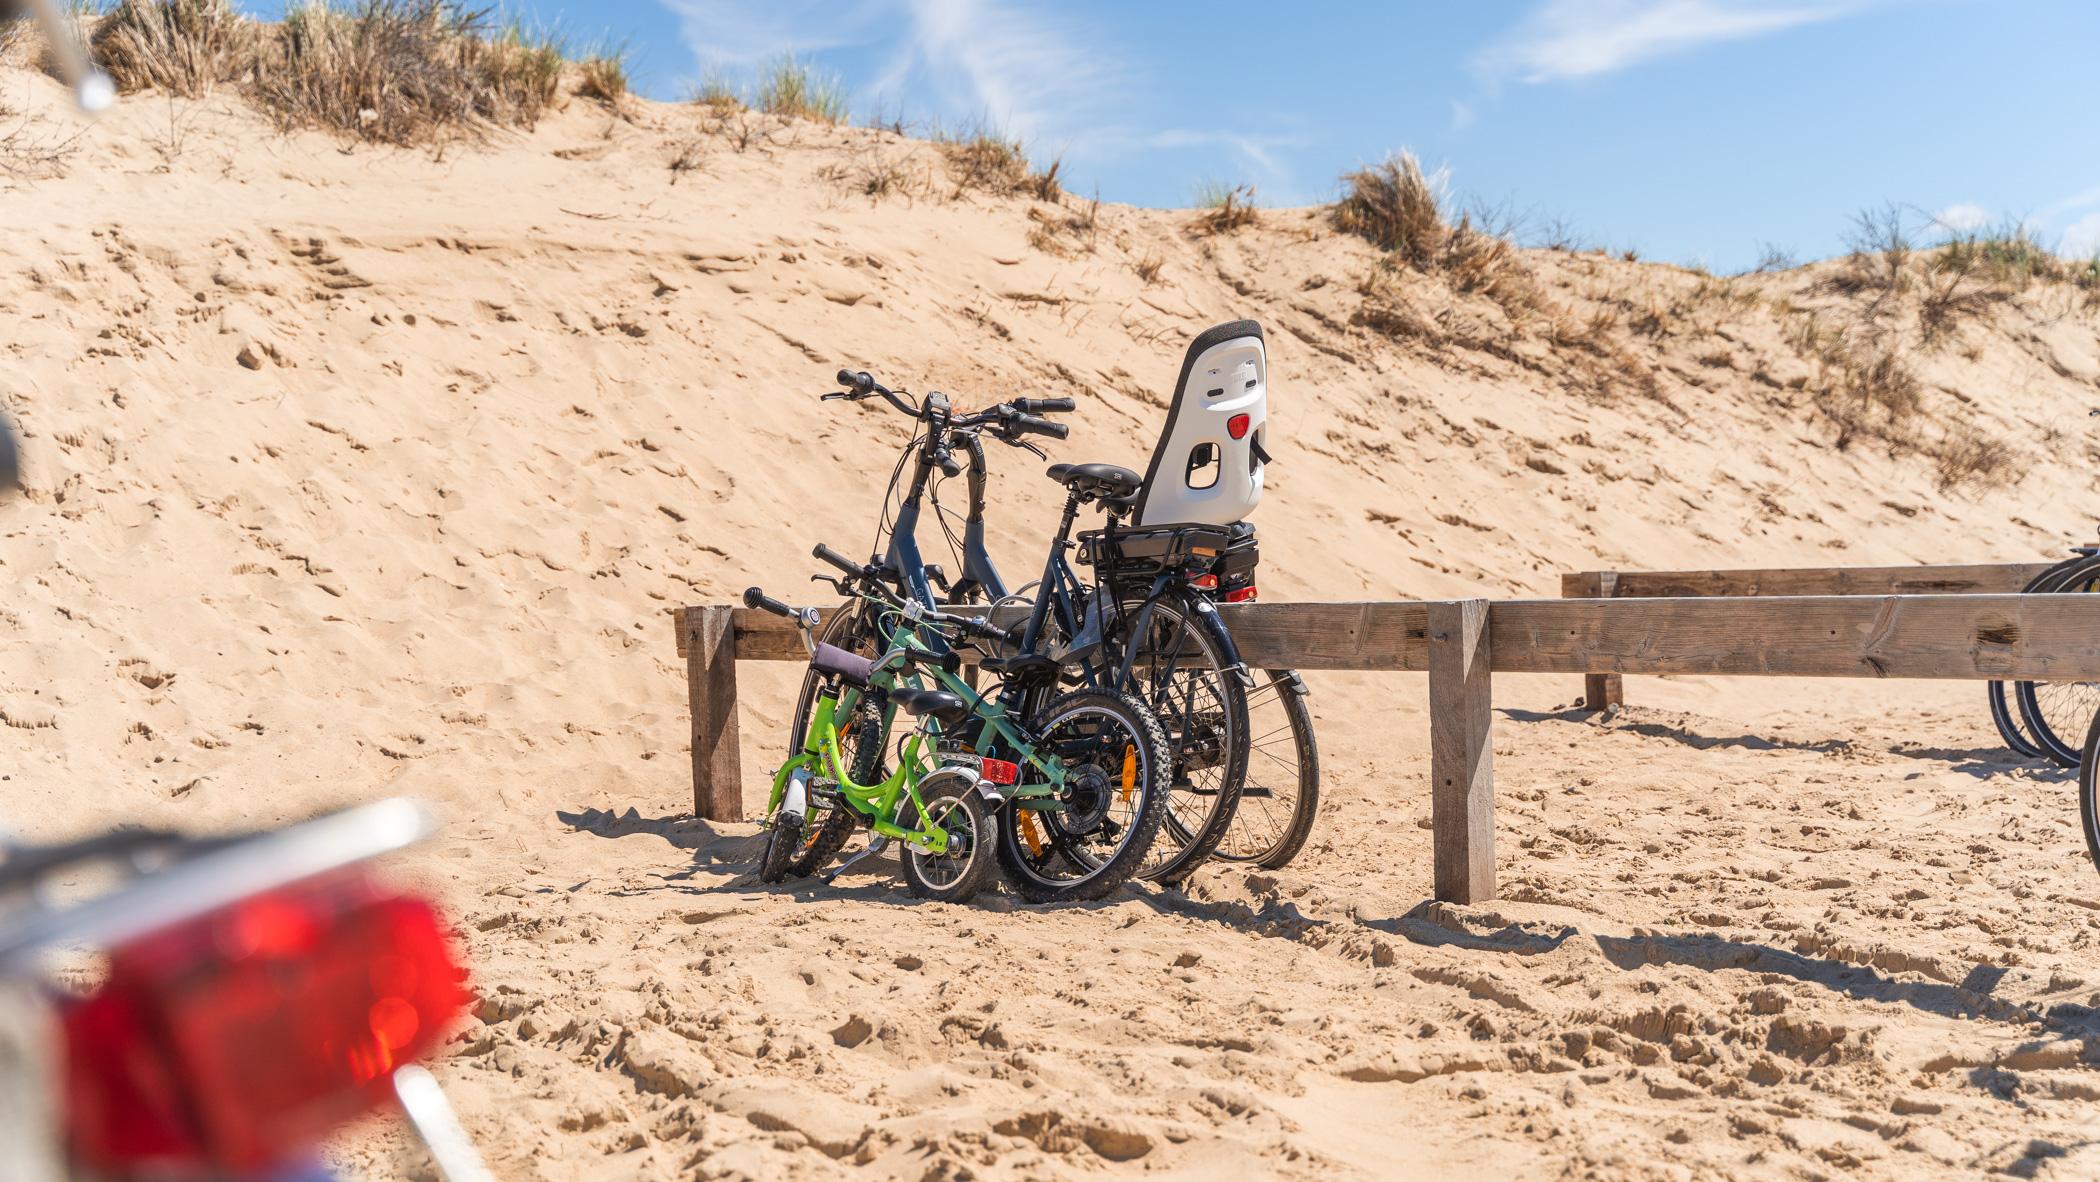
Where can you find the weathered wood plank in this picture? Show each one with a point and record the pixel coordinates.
(1461, 750)
(1973, 637)
(1373, 635)
(711, 654)
(1981, 579)
(1966, 637)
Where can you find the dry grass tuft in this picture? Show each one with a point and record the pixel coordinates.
(185, 47)
(402, 71)
(1226, 208)
(984, 159)
(519, 74)
(1401, 210)
(794, 90)
(602, 75)
(1148, 268)
(1396, 208)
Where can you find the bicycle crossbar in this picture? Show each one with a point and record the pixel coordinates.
(1602, 689)
(1461, 643)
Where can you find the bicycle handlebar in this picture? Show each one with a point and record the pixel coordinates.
(1030, 423)
(1042, 406)
(753, 597)
(847, 565)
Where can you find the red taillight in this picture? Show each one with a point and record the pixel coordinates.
(998, 771)
(1246, 594)
(1236, 426)
(1204, 582)
(240, 1039)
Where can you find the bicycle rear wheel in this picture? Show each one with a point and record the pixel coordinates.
(1282, 792)
(1999, 694)
(2059, 713)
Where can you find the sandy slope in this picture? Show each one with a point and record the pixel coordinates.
(368, 472)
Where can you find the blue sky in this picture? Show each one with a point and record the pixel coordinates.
(1694, 130)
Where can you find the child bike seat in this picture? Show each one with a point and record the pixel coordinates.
(945, 707)
(1100, 480)
(832, 659)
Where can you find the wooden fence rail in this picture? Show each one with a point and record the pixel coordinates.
(1601, 689)
(1462, 643)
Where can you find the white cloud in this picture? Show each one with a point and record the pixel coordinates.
(2081, 239)
(989, 59)
(1462, 115)
(1568, 39)
(1259, 150)
(1963, 217)
(737, 36)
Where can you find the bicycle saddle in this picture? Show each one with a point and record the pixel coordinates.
(1100, 480)
(945, 707)
(832, 659)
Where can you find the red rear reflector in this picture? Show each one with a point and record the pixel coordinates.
(1204, 582)
(998, 771)
(237, 1041)
(1244, 594)
(1236, 426)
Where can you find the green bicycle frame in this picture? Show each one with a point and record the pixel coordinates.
(879, 802)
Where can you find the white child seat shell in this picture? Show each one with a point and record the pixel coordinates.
(1225, 375)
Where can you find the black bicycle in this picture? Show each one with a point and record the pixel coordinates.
(1146, 626)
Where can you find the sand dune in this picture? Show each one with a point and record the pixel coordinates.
(369, 472)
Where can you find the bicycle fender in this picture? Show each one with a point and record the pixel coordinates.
(796, 802)
(1233, 660)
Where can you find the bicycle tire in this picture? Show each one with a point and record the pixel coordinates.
(1023, 867)
(1258, 835)
(1998, 694)
(2070, 705)
(1201, 800)
(2089, 791)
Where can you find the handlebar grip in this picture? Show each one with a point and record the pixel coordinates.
(858, 381)
(1042, 406)
(986, 630)
(827, 554)
(1041, 426)
(753, 597)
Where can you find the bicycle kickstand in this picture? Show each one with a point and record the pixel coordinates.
(876, 845)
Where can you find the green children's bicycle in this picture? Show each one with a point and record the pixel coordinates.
(1066, 800)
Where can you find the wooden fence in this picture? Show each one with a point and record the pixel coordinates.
(1602, 689)
(1460, 644)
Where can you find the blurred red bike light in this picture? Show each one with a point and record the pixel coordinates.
(1236, 426)
(238, 1040)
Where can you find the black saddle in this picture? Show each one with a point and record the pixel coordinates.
(944, 707)
(1106, 481)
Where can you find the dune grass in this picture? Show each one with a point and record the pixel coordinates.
(793, 90)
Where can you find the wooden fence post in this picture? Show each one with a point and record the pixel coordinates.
(710, 677)
(1461, 751)
(1601, 691)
